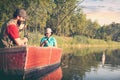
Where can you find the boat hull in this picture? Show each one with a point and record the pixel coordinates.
(25, 61)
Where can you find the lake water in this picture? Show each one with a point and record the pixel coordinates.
(87, 64)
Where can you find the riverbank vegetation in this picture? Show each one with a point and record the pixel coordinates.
(74, 42)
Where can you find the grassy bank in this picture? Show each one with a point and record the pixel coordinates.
(81, 41)
(77, 41)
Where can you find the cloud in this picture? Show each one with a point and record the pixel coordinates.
(101, 5)
(103, 11)
(104, 18)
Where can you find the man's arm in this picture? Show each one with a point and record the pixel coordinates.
(13, 31)
(21, 42)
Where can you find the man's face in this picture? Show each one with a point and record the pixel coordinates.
(22, 19)
(19, 22)
(22, 26)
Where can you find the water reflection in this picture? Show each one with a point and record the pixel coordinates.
(103, 58)
(54, 75)
(92, 65)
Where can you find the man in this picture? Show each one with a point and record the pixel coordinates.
(10, 31)
(48, 40)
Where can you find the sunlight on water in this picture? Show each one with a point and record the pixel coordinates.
(103, 73)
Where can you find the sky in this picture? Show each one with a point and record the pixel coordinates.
(103, 11)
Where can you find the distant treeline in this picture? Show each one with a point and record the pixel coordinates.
(65, 17)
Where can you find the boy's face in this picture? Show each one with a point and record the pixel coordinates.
(48, 32)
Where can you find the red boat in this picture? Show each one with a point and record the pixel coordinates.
(29, 61)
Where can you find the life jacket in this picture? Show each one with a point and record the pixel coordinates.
(5, 39)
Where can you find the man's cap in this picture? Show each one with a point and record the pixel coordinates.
(21, 13)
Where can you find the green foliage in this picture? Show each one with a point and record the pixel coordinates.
(109, 32)
(80, 39)
(65, 17)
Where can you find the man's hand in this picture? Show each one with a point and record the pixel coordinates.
(26, 36)
(25, 40)
(45, 41)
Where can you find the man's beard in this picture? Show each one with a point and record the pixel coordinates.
(19, 22)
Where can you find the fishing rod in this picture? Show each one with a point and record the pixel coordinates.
(69, 13)
(25, 30)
